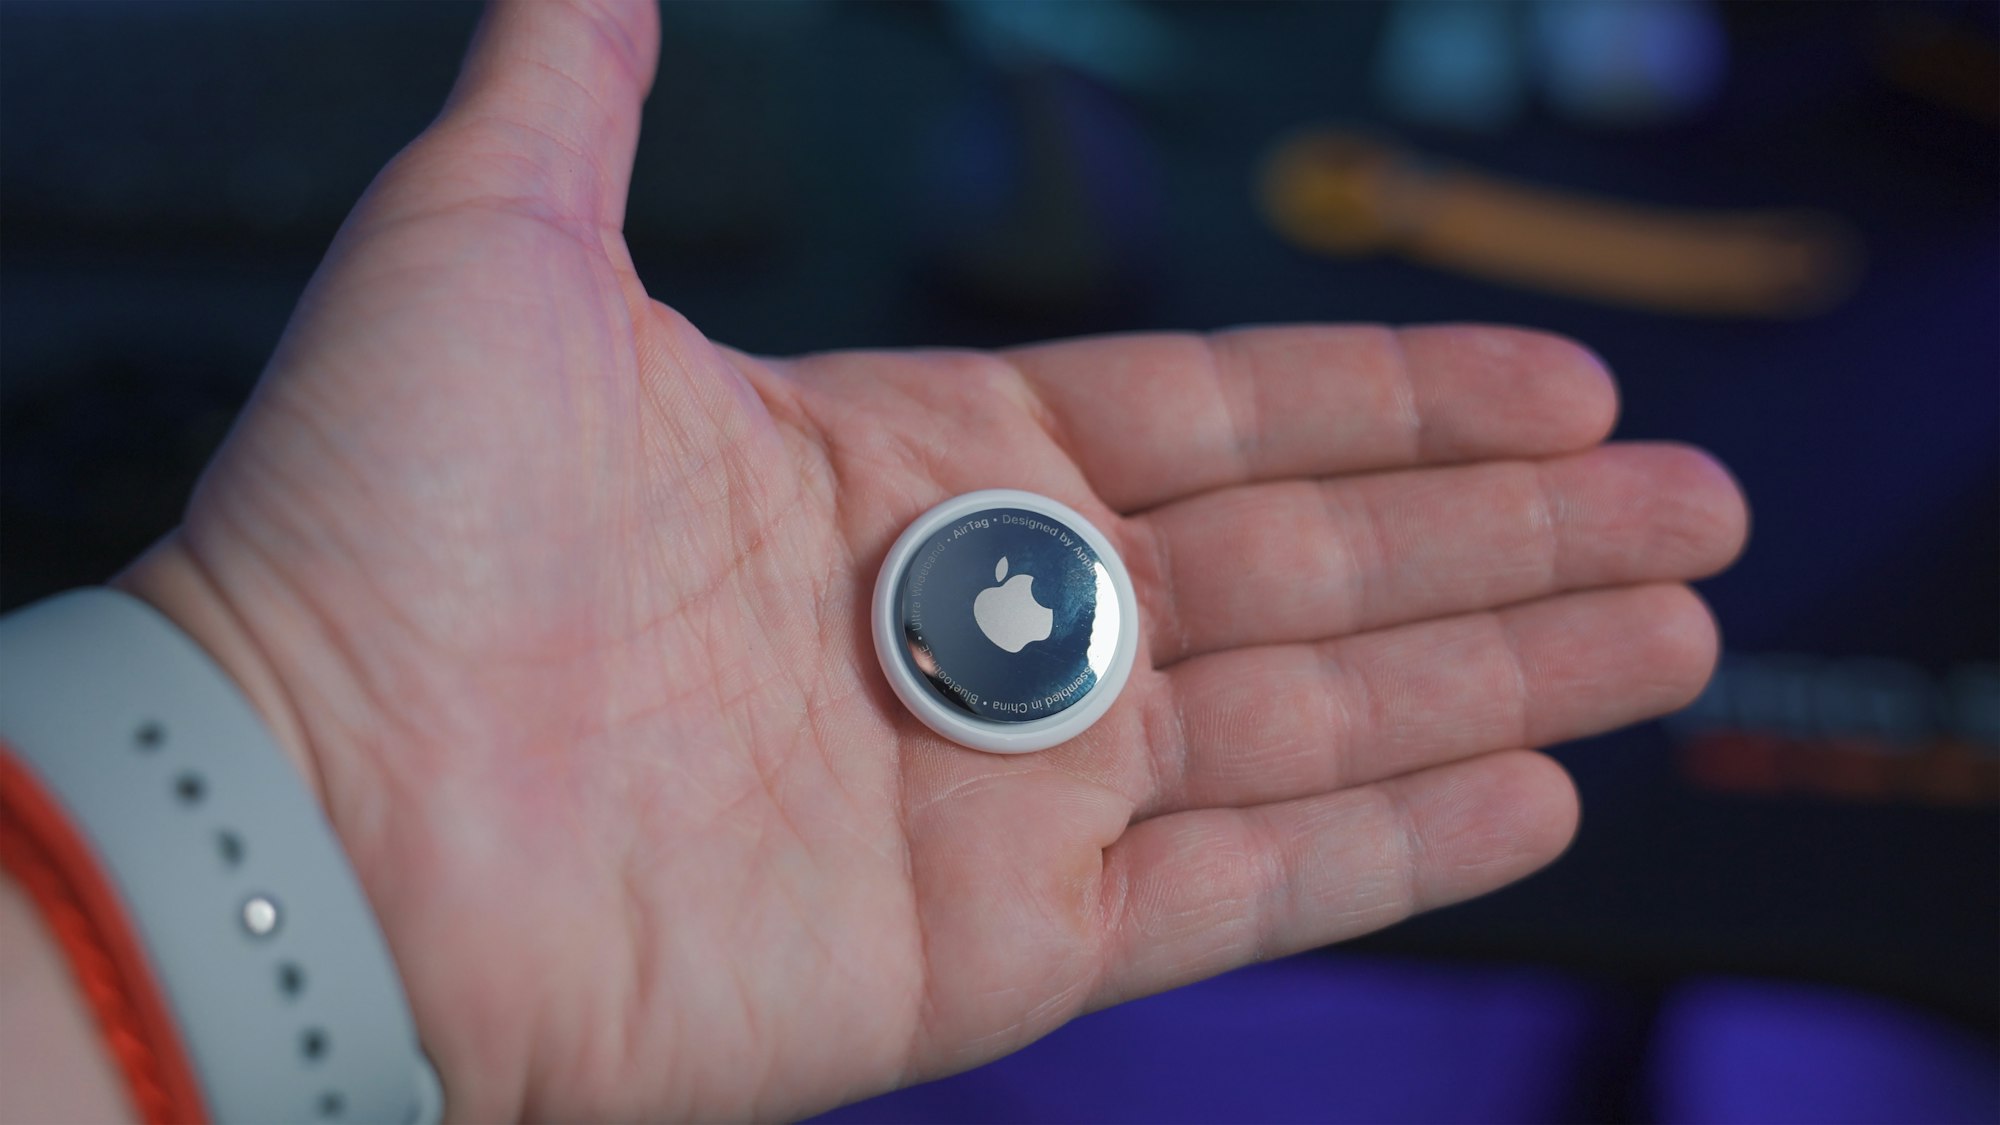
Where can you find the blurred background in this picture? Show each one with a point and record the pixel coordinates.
(1776, 222)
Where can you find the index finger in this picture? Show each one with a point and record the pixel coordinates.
(1156, 417)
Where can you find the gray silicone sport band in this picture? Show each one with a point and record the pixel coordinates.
(258, 933)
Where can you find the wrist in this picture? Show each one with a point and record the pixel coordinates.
(173, 581)
(253, 653)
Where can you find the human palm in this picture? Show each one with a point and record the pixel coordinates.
(563, 607)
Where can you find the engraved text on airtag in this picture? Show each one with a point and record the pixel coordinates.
(1007, 615)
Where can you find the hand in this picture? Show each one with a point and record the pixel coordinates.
(563, 609)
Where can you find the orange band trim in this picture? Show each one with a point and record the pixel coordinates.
(55, 865)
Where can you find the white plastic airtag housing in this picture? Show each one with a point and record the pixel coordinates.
(1005, 621)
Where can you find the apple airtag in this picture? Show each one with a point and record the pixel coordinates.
(1005, 621)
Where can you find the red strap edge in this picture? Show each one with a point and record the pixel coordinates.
(85, 914)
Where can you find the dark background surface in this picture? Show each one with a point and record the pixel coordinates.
(1821, 830)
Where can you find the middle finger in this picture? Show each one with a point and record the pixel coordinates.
(1305, 560)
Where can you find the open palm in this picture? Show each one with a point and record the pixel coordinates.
(564, 608)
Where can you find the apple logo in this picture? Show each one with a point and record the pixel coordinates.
(1008, 613)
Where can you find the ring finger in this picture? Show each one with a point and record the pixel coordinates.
(1278, 722)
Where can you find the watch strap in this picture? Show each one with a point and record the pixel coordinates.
(254, 925)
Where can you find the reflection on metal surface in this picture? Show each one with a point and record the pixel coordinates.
(1008, 616)
(927, 665)
(1104, 629)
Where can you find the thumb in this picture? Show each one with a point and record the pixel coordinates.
(545, 114)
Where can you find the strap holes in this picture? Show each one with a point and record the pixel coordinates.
(291, 979)
(331, 1104)
(150, 735)
(313, 1044)
(230, 845)
(190, 788)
